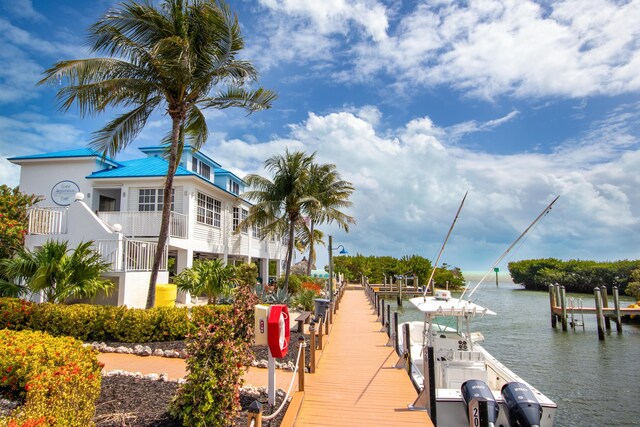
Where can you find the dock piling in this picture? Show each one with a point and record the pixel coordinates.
(616, 305)
(312, 347)
(599, 313)
(563, 307)
(396, 340)
(301, 362)
(552, 303)
(605, 304)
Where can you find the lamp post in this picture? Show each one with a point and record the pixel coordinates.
(342, 252)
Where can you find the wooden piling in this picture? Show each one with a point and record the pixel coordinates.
(616, 305)
(382, 312)
(563, 308)
(301, 363)
(400, 294)
(406, 343)
(320, 328)
(552, 303)
(396, 340)
(312, 347)
(599, 314)
(326, 323)
(388, 323)
(254, 414)
(605, 304)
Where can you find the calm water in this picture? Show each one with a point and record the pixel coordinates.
(594, 383)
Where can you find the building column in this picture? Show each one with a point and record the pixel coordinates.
(184, 260)
(264, 270)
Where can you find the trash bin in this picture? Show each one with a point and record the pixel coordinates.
(321, 306)
(166, 295)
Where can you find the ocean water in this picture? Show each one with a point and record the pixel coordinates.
(595, 383)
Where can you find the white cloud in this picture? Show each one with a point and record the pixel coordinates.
(409, 184)
(484, 48)
(23, 9)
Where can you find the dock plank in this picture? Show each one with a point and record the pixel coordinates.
(355, 382)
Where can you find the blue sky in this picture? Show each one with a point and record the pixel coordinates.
(515, 101)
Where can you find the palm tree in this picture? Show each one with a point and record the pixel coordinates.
(281, 203)
(170, 59)
(332, 194)
(58, 272)
(210, 277)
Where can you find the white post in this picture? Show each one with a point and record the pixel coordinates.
(271, 391)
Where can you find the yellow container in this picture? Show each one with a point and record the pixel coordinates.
(166, 295)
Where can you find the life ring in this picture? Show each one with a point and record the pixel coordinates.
(278, 334)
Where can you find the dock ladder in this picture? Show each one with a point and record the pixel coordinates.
(574, 318)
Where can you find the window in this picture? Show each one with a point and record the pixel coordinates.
(209, 210)
(236, 218)
(245, 214)
(151, 199)
(201, 168)
(234, 187)
(257, 233)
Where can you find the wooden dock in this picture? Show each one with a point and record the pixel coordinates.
(355, 382)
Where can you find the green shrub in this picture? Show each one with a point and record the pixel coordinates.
(208, 314)
(57, 379)
(305, 299)
(217, 361)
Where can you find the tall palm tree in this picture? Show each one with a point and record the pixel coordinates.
(170, 59)
(58, 272)
(332, 194)
(281, 203)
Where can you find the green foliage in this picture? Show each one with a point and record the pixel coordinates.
(377, 267)
(58, 272)
(210, 277)
(97, 323)
(574, 275)
(14, 221)
(218, 357)
(244, 311)
(295, 283)
(247, 274)
(57, 379)
(453, 277)
(305, 299)
(633, 288)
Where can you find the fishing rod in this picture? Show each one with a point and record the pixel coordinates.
(544, 212)
(435, 265)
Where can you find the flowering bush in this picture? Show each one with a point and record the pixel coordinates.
(13, 219)
(312, 287)
(57, 379)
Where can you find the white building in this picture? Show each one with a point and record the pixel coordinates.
(118, 205)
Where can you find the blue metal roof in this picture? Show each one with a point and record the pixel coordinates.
(187, 149)
(80, 152)
(145, 167)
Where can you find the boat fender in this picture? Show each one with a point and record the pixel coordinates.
(482, 408)
(523, 409)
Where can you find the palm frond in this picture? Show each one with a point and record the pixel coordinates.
(121, 131)
(260, 99)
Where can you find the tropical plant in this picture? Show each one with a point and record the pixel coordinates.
(633, 288)
(281, 296)
(305, 299)
(170, 59)
(58, 272)
(208, 277)
(281, 203)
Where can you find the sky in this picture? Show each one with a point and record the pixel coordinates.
(416, 103)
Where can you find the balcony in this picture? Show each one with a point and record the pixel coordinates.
(51, 220)
(129, 255)
(146, 224)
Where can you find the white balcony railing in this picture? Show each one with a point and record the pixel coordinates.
(52, 220)
(129, 255)
(146, 224)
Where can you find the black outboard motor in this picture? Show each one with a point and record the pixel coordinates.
(523, 409)
(482, 409)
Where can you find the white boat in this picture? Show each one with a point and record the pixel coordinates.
(465, 385)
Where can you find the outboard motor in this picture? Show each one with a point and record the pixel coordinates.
(523, 409)
(482, 409)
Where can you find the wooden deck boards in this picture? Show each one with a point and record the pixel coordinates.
(355, 382)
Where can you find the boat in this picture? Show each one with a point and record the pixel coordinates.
(458, 381)
(465, 385)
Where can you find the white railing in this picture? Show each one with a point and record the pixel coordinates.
(146, 224)
(52, 220)
(130, 255)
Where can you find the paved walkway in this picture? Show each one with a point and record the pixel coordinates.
(176, 368)
(355, 382)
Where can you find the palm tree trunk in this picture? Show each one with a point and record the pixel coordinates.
(287, 271)
(166, 209)
(312, 252)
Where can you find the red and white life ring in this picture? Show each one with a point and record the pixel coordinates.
(278, 334)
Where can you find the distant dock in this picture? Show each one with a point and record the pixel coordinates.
(570, 312)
